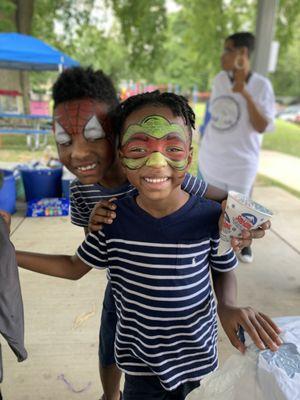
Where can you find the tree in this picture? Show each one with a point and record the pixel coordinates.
(7, 10)
(286, 78)
(144, 41)
(143, 25)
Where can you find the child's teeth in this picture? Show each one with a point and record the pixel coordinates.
(87, 167)
(156, 180)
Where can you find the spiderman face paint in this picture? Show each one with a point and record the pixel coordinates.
(84, 141)
(80, 117)
(155, 142)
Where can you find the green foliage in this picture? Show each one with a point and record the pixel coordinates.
(206, 26)
(143, 25)
(93, 47)
(7, 9)
(287, 17)
(285, 139)
(286, 79)
(147, 43)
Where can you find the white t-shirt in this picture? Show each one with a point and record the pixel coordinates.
(229, 150)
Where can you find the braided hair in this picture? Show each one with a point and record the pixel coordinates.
(176, 103)
(77, 83)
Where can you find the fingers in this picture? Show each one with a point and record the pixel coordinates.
(239, 243)
(270, 322)
(252, 332)
(257, 233)
(96, 221)
(93, 227)
(102, 213)
(266, 333)
(104, 206)
(261, 329)
(266, 225)
(235, 341)
(104, 209)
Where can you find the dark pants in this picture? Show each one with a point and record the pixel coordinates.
(107, 329)
(149, 388)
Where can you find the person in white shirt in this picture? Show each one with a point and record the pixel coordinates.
(242, 108)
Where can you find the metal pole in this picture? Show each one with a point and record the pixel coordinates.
(265, 28)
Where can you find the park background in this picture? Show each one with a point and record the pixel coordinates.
(140, 44)
(147, 44)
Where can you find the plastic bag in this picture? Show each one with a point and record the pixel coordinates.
(258, 375)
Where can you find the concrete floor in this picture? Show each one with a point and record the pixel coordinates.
(62, 317)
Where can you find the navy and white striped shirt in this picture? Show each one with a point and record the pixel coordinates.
(160, 275)
(84, 197)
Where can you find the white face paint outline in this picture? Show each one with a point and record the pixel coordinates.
(61, 136)
(94, 130)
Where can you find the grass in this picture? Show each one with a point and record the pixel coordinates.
(13, 148)
(262, 180)
(285, 138)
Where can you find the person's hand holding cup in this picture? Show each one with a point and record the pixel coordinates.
(241, 213)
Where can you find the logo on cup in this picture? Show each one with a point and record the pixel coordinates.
(226, 222)
(246, 220)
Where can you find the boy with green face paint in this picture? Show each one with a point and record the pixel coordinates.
(152, 147)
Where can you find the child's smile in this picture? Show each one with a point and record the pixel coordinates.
(83, 138)
(156, 153)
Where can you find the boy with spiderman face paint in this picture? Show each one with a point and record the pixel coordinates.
(159, 253)
(86, 145)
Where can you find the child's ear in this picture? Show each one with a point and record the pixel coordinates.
(190, 157)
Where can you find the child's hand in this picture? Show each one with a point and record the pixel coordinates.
(238, 87)
(7, 219)
(262, 330)
(102, 213)
(238, 243)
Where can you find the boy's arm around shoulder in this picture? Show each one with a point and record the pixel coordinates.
(61, 266)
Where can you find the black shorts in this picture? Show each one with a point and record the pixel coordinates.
(149, 388)
(107, 329)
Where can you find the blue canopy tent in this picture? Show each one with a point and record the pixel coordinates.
(23, 52)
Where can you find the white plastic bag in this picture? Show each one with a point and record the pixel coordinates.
(258, 375)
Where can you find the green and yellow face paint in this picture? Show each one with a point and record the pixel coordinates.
(155, 142)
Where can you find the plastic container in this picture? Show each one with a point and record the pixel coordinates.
(67, 178)
(8, 192)
(65, 185)
(53, 207)
(41, 183)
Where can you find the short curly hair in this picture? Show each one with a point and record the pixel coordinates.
(176, 103)
(78, 83)
(243, 39)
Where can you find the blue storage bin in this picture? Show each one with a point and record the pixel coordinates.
(8, 192)
(41, 183)
(65, 185)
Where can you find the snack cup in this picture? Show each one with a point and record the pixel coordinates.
(240, 213)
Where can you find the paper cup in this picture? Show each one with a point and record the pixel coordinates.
(241, 213)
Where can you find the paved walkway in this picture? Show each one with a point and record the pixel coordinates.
(281, 167)
(62, 317)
